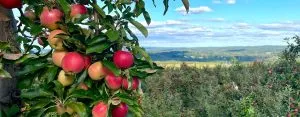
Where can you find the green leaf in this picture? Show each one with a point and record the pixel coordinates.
(25, 58)
(142, 52)
(11, 112)
(82, 94)
(112, 35)
(99, 10)
(40, 104)
(140, 74)
(166, 4)
(186, 4)
(65, 6)
(147, 16)
(79, 108)
(131, 33)
(58, 88)
(36, 92)
(4, 74)
(80, 79)
(136, 110)
(74, 43)
(139, 26)
(50, 74)
(30, 69)
(96, 39)
(112, 67)
(98, 48)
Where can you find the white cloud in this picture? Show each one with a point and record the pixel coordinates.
(216, 20)
(225, 1)
(195, 10)
(231, 1)
(242, 26)
(286, 26)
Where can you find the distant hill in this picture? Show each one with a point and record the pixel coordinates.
(208, 54)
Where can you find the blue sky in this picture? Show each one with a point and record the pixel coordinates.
(218, 23)
(215, 23)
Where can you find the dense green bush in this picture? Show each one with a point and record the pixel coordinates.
(257, 89)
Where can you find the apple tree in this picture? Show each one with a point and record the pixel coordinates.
(87, 60)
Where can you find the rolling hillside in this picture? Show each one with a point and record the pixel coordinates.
(210, 54)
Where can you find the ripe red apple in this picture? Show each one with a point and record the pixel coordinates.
(87, 61)
(100, 110)
(78, 9)
(65, 79)
(56, 43)
(73, 62)
(96, 71)
(9, 4)
(134, 84)
(113, 82)
(123, 59)
(120, 111)
(57, 57)
(30, 15)
(49, 18)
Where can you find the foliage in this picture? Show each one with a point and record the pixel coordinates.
(256, 89)
(291, 53)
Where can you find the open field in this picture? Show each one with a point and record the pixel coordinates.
(177, 64)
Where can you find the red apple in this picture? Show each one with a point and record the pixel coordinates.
(30, 15)
(73, 62)
(120, 111)
(49, 18)
(96, 71)
(9, 4)
(113, 82)
(56, 43)
(100, 110)
(123, 59)
(57, 57)
(134, 84)
(87, 61)
(78, 9)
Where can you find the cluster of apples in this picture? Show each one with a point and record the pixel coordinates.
(74, 62)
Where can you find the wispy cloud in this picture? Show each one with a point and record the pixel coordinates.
(215, 20)
(285, 26)
(226, 1)
(241, 26)
(194, 10)
(231, 1)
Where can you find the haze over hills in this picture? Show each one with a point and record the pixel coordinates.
(210, 54)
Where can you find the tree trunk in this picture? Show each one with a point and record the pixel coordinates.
(7, 34)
